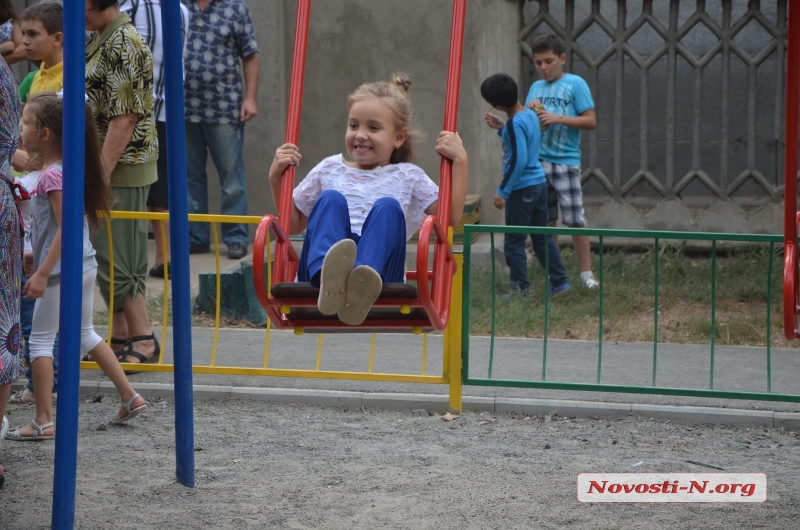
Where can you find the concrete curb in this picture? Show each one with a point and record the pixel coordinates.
(439, 403)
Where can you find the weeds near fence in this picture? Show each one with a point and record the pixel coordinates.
(684, 299)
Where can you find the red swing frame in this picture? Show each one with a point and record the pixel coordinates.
(791, 286)
(293, 305)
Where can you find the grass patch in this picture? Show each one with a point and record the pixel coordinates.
(629, 294)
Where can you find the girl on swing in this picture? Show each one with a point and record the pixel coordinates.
(359, 213)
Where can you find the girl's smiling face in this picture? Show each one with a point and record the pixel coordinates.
(371, 136)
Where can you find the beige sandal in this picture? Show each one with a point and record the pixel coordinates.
(336, 269)
(363, 288)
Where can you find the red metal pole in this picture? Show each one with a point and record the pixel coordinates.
(451, 107)
(792, 98)
(295, 105)
(292, 133)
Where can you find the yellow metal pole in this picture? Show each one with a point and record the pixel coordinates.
(218, 304)
(165, 297)
(371, 353)
(453, 338)
(319, 352)
(424, 353)
(111, 280)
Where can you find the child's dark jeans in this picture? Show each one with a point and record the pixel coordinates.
(528, 207)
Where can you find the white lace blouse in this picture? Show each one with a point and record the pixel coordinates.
(362, 187)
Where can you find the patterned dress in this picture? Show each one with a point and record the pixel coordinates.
(10, 232)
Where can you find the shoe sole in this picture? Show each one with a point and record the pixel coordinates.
(4, 428)
(363, 288)
(336, 269)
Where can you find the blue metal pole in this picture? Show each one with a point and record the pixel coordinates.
(179, 234)
(66, 456)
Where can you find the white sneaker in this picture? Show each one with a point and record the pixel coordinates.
(590, 283)
(26, 396)
(22, 396)
(3, 429)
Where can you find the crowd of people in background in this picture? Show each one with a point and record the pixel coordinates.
(348, 250)
(126, 137)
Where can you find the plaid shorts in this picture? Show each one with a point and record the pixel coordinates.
(564, 189)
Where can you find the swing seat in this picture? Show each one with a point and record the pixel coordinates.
(417, 307)
(423, 305)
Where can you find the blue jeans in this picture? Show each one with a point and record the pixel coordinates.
(26, 306)
(381, 244)
(225, 142)
(528, 207)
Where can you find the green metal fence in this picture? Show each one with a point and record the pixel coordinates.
(749, 372)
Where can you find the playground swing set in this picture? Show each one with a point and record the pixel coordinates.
(419, 307)
(791, 268)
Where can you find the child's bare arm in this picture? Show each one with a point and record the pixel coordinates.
(37, 283)
(493, 121)
(285, 156)
(449, 145)
(586, 121)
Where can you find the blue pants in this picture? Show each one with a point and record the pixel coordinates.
(26, 323)
(225, 142)
(381, 244)
(528, 207)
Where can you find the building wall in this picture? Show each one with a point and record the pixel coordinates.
(689, 97)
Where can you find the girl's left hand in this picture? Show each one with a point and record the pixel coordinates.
(36, 286)
(449, 145)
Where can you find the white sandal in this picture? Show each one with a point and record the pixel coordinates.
(132, 413)
(38, 433)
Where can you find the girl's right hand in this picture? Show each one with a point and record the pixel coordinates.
(36, 286)
(285, 156)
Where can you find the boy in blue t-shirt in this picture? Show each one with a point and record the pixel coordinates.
(523, 189)
(564, 105)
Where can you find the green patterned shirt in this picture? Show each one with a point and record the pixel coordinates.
(119, 80)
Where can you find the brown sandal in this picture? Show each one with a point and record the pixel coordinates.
(114, 340)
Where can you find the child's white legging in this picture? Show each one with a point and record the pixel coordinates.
(45, 318)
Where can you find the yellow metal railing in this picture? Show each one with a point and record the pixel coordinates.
(451, 350)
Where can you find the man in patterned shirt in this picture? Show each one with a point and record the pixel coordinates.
(220, 33)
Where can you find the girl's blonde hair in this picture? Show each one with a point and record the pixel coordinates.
(394, 94)
(48, 111)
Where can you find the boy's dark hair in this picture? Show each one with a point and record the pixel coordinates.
(500, 90)
(102, 5)
(50, 14)
(548, 43)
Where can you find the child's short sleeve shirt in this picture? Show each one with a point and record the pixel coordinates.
(44, 225)
(568, 96)
(407, 183)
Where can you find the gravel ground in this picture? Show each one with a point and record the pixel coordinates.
(261, 465)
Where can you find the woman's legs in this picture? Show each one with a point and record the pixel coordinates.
(130, 269)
